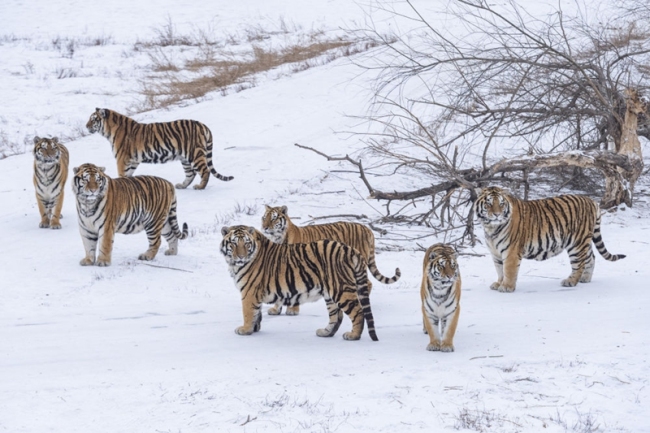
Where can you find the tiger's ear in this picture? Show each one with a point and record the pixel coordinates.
(268, 208)
(432, 255)
(37, 139)
(224, 230)
(75, 170)
(103, 112)
(55, 139)
(284, 209)
(102, 169)
(250, 230)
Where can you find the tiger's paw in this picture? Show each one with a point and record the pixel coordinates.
(275, 311)
(324, 332)
(199, 187)
(87, 262)
(569, 282)
(446, 347)
(495, 286)
(146, 256)
(180, 186)
(55, 226)
(103, 263)
(293, 311)
(585, 278)
(351, 336)
(171, 252)
(506, 289)
(433, 347)
(242, 330)
(44, 225)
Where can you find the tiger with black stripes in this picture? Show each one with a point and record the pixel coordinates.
(265, 272)
(125, 205)
(279, 228)
(440, 294)
(540, 229)
(50, 174)
(134, 143)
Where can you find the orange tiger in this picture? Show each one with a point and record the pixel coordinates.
(278, 227)
(265, 272)
(50, 174)
(440, 293)
(133, 143)
(126, 205)
(540, 229)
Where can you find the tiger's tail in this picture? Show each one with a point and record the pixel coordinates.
(364, 300)
(208, 146)
(372, 266)
(600, 245)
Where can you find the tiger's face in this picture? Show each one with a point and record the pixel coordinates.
(274, 223)
(441, 265)
(46, 150)
(96, 121)
(239, 245)
(90, 182)
(492, 206)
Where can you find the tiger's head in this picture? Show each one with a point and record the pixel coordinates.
(97, 119)
(90, 182)
(440, 263)
(47, 150)
(493, 206)
(239, 245)
(274, 223)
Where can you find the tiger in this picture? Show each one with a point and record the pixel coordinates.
(440, 293)
(265, 272)
(133, 143)
(277, 226)
(106, 206)
(540, 229)
(50, 174)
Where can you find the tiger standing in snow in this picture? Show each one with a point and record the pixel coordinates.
(133, 143)
(125, 205)
(50, 174)
(265, 272)
(277, 226)
(539, 229)
(440, 293)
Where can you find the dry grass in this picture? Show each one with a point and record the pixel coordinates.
(222, 74)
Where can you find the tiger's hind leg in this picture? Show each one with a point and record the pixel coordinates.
(153, 236)
(276, 309)
(200, 165)
(336, 317)
(172, 240)
(589, 268)
(190, 174)
(579, 257)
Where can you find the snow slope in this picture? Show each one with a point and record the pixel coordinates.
(139, 348)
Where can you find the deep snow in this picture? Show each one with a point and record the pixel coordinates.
(139, 348)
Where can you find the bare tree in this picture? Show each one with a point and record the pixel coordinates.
(549, 90)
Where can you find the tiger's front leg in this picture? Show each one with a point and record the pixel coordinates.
(105, 245)
(448, 330)
(153, 236)
(251, 309)
(90, 245)
(335, 319)
(498, 265)
(431, 327)
(56, 213)
(510, 271)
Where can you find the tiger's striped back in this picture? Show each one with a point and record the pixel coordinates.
(277, 225)
(188, 141)
(540, 229)
(51, 160)
(265, 272)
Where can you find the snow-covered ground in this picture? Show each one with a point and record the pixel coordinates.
(136, 347)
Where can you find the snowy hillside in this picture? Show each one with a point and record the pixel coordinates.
(150, 347)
